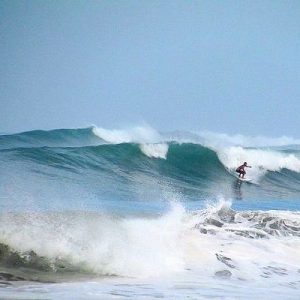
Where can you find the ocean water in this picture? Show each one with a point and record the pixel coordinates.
(93, 213)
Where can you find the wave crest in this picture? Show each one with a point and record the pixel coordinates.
(155, 150)
(137, 134)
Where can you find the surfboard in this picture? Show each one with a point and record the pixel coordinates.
(244, 179)
(236, 175)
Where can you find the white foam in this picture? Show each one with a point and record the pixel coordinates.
(138, 134)
(126, 247)
(261, 160)
(152, 247)
(232, 152)
(251, 258)
(218, 140)
(148, 138)
(155, 150)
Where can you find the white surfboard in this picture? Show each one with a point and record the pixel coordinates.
(244, 179)
(236, 175)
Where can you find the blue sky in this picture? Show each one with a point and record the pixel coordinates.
(223, 66)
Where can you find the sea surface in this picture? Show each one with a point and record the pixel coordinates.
(93, 213)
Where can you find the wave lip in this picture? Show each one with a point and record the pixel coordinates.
(155, 150)
(137, 134)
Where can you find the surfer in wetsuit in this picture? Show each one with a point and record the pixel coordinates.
(241, 169)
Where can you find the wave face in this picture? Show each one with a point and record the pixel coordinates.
(144, 164)
(86, 202)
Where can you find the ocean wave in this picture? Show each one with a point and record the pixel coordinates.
(261, 160)
(139, 134)
(195, 158)
(148, 158)
(50, 138)
(213, 240)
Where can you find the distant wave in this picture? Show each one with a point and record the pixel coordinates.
(50, 138)
(146, 134)
(141, 134)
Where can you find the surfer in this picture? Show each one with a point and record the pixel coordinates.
(241, 169)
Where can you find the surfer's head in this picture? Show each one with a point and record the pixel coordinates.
(245, 163)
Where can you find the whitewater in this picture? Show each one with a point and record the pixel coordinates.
(134, 213)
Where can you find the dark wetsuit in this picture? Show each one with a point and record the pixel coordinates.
(241, 170)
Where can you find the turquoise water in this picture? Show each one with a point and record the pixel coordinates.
(97, 210)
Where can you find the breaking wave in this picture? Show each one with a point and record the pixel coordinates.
(184, 158)
(217, 240)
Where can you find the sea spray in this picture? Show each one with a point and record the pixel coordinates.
(155, 150)
(104, 245)
(210, 240)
